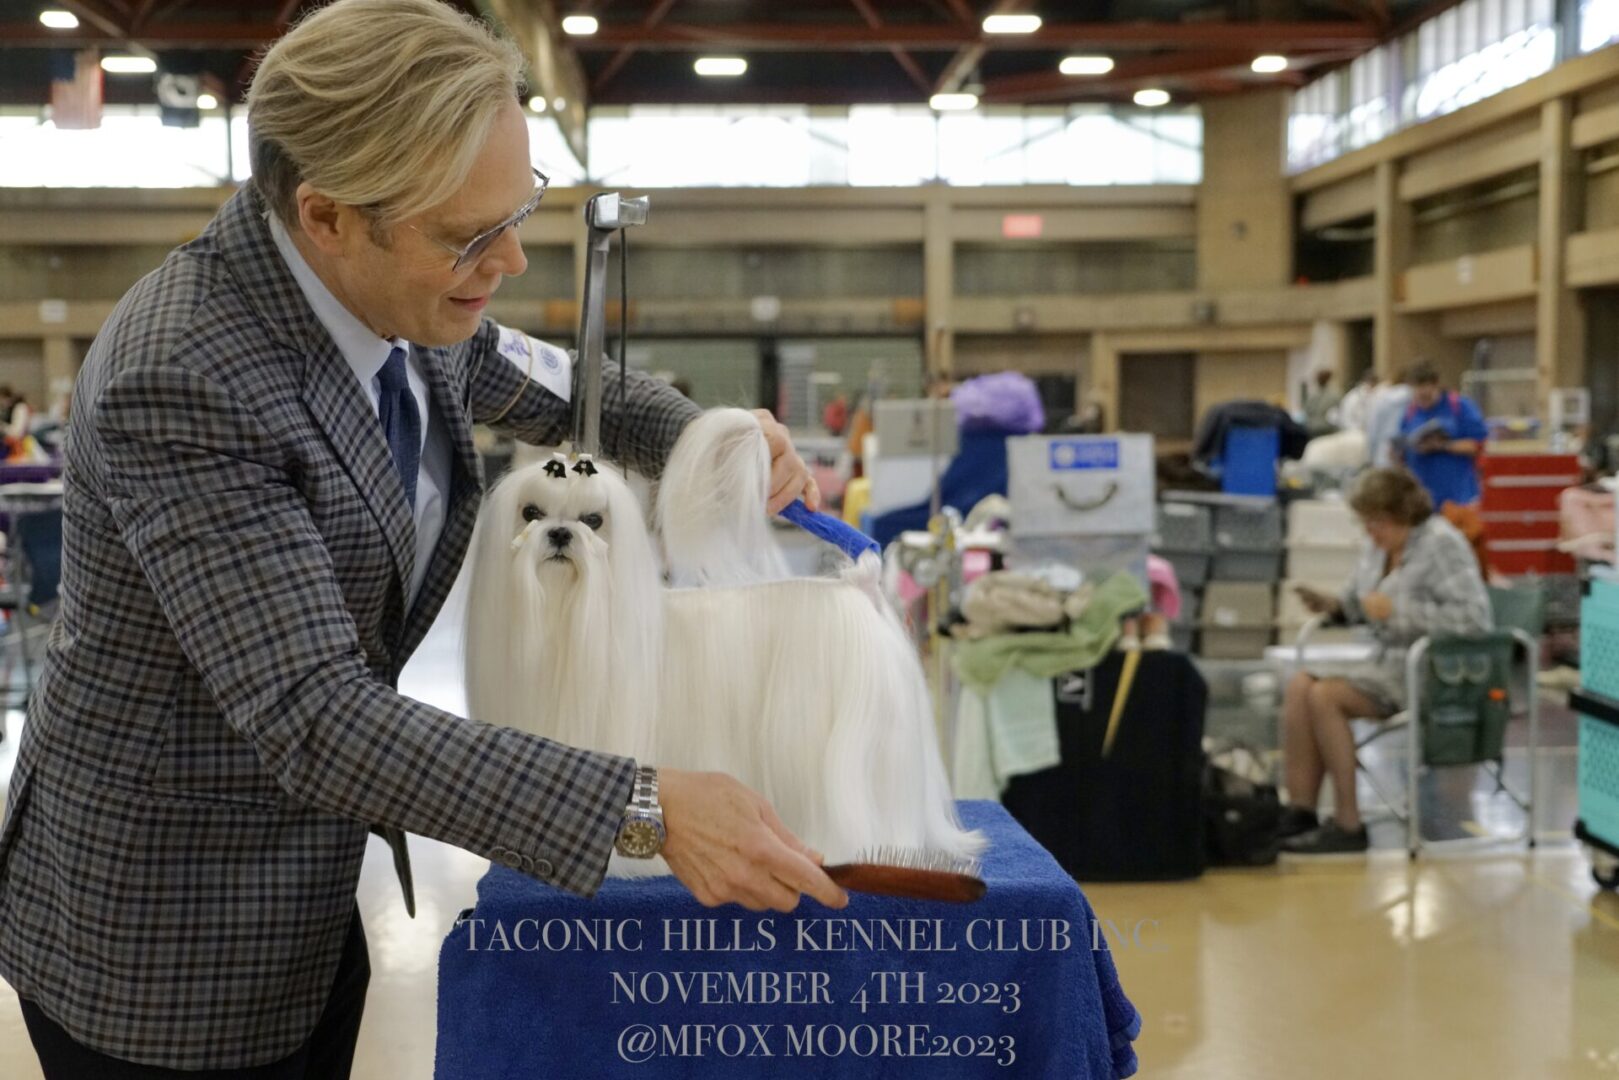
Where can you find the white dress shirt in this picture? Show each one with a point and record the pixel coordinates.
(1383, 418)
(366, 353)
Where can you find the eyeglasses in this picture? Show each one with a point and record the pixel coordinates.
(480, 243)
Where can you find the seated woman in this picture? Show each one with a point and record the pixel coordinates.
(1418, 576)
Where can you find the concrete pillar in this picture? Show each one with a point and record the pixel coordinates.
(1104, 388)
(1244, 206)
(60, 362)
(1398, 339)
(938, 283)
(1559, 320)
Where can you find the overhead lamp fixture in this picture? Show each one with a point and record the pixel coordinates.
(538, 104)
(1269, 64)
(720, 66)
(1011, 24)
(128, 65)
(580, 25)
(559, 103)
(1086, 65)
(953, 102)
(59, 20)
(207, 101)
(1152, 99)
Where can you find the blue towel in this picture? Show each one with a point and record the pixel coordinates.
(850, 540)
(978, 470)
(516, 1003)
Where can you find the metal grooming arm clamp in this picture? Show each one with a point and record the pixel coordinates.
(605, 215)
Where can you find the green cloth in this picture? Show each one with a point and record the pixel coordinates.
(1007, 732)
(1047, 654)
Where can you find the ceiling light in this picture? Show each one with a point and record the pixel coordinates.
(1151, 99)
(1086, 65)
(1011, 24)
(580, 25)
(721, 66)
(1269, 64)
(59, 20)
(953, 102)
(128, 65)
(559, 103)
(207, 101)
(538, 104)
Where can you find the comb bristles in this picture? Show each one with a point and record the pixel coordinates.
(919, 859)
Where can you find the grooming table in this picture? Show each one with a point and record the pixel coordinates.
(534, 982)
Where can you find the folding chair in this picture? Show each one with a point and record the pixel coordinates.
(1516, 614)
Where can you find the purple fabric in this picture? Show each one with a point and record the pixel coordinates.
(1005, 402)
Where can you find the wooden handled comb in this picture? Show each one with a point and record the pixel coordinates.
(910, 875)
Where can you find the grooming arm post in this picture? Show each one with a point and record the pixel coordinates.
(605, 214)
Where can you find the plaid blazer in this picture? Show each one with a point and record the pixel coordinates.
(216, 724)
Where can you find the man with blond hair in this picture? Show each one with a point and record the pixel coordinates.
(270, 486)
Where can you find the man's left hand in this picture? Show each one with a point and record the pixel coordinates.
(789, 477)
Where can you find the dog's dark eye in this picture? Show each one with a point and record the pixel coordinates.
(594, 521)
(532, 513)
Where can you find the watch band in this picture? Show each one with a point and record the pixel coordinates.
(645, 795)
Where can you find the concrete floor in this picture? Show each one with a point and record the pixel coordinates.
(1496, 963)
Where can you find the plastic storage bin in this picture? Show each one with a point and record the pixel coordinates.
(1599, 639)
(1245, 527)
(1260, 566)
(1242, 643)
(1322, 523)
(1183, 527)
(1599, 775)
(1324, 564)
(1238, 620)
(1598, 706)
(1191, 567)
(1248, 466)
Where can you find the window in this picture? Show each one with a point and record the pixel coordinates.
(1599, 24)
(687, 146)
(1470, 52)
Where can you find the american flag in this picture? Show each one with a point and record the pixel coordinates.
(76, 89)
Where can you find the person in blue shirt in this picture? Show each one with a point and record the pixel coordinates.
(1443, 434)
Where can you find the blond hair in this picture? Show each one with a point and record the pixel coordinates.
(379, 104)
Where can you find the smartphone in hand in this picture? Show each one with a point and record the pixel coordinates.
(1318, 603)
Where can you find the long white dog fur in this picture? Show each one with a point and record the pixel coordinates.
(806, 690)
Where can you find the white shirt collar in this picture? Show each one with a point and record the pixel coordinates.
(364, 351)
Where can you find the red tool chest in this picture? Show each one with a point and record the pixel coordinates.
(1520, 510)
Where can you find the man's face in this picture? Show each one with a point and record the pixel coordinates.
(409, 289)
(1426, 395)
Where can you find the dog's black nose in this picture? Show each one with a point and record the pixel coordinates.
(560, 537)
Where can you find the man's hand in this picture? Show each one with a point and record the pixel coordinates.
(789, 476)
(1377, 606)
(726, 845)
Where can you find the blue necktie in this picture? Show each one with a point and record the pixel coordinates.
(401, 423)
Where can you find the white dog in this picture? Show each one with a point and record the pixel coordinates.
(806, 690)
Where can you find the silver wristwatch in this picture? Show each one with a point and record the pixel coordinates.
(640, 835)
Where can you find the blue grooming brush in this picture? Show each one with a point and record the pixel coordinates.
(846, 538)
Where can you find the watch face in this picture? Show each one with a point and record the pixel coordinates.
(640, 838)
